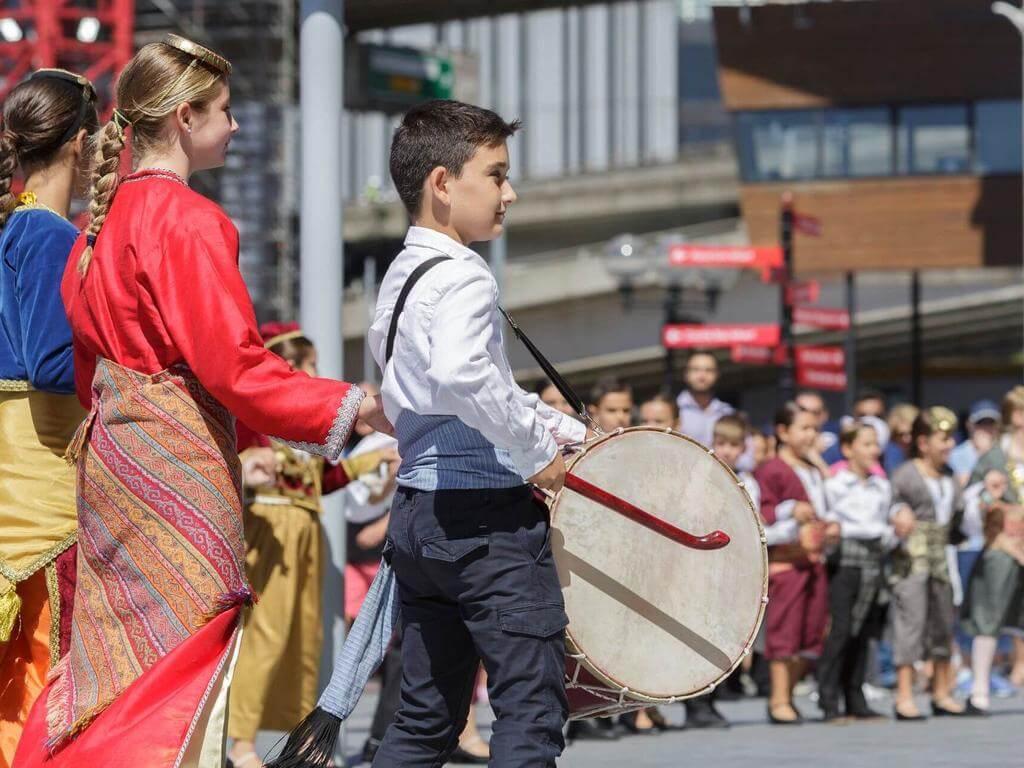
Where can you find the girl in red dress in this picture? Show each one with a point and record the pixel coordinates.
(167, 354)
(793, 502)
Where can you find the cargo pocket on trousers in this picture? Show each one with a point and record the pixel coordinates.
(537, 620)
(452, 550)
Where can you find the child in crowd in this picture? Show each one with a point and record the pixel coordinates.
(659, 411)
(611, 404)
(928, 509)
(792, 504)
(859, 501)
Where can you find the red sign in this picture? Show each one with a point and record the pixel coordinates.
(827, 358)
(803, 293)
(816, 378)
(808, 225)
(689, 336)
(758, 355)
(826, 318)
(728, 256)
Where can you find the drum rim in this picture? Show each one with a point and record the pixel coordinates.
(573, 648)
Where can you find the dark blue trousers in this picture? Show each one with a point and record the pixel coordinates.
(477, 582)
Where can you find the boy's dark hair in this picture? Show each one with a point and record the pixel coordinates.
(732, 428)
(663, 397)
(869, 393)
(606, 386)
(440, 133)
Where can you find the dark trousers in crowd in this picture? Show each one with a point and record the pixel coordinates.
(477, 582)
(843, 663)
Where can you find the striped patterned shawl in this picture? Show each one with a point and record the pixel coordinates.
(161, 547)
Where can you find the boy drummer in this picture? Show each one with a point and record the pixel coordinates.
(468, 543)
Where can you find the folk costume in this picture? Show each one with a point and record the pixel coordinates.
(923, 612)
(279, 659)
(167, 354)
(797, 615)
(38, 416)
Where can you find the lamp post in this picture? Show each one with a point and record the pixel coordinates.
(1016, 17)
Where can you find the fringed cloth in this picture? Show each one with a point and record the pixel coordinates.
(161, 548)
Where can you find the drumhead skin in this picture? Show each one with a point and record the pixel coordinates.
(648, 614)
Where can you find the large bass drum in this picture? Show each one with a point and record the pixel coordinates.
(660, 608)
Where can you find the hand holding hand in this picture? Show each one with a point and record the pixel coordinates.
(371, 413)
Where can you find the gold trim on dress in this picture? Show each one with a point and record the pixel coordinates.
(53, 590)
(42, 561)
(14, 385)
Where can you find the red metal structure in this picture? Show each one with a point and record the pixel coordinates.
(52, 33)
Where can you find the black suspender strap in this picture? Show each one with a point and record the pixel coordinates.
(410, 281)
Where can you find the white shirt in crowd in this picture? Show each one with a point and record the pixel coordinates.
(452, 357)
(861, 506)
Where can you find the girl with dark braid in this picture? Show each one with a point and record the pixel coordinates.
(167, 354)
(46, 122)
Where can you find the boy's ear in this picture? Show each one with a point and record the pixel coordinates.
(437, 184)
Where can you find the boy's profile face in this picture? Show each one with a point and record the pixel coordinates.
(728, 451)
(475, 203)
(614, 411)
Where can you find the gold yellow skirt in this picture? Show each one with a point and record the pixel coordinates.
(275, 682)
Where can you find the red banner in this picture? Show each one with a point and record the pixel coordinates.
(808, 225)
(816, 378)
(726, 256)
(826, 318)
(803, 293)
(827, 358)
(688, 336)
(758, 355)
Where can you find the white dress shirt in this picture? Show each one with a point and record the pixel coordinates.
(449, 357)
(860, 506)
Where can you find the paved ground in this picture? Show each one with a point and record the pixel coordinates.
(997, 742)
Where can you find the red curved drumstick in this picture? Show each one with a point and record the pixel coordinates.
(714, 540)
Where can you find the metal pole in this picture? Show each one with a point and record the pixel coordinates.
(370, 302)
(673, 298)
(612, 53)
(1016, 17)
(915, 338)
(499, 249)
(321, 273)
(641, 76)
(566, 90)
(851, 341)
(524, 93)
(581, 74)
(786, 377)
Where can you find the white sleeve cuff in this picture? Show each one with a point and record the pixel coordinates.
(783, 532)
(784, 510)
(569, 430)
(529, 462)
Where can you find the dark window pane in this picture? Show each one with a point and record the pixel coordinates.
(933, 139)
(857, 142)
(997, 137)
(778, 145)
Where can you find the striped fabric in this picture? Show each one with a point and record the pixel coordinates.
(161, 548)
(442, 453)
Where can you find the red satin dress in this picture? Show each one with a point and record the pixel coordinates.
(165, 338)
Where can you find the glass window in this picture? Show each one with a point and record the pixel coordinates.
(933, 139)
(997, 137)
(778, 145)
(856, 142)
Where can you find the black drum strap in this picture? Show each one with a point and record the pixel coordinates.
(410, 281)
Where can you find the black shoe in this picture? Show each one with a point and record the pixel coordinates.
(627, 726)
(462, 757)
(938, 711)
(588, 730)
(918, 718)
(779, 721)
(831, 715)
(705, 717)
(973, 711)
(864, 713)
(370, 750)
